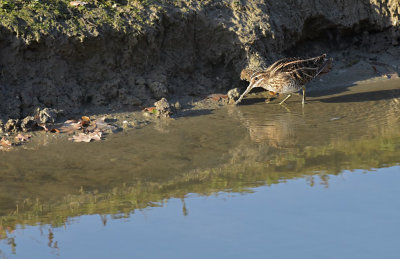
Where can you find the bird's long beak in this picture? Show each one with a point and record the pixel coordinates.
(245, 92)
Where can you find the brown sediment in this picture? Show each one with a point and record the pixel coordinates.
(183, 51)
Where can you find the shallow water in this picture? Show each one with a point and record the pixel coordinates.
(254, 180)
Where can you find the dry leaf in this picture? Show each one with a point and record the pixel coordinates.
(150, 109)
(77, 3)
(22, 137)
(70, 126)
(5, 143)
(85, 121)
(55, 130)
(87, 137)
(103, 126)
(217, 97)
(96, 135)
(81, 137)
(51, 129)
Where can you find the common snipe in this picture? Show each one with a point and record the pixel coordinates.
(286, 76)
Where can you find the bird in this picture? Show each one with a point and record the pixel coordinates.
(286, 76)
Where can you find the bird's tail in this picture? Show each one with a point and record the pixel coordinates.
(326, 66)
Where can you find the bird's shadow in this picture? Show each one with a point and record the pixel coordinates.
(251, 101)
(353, 97)
(364, 96)
(192, 113)
(315, 92)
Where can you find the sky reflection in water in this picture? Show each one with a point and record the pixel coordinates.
(280, 174)
(357, 216)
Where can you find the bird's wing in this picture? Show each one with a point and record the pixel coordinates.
(291, 64)
(302, 69)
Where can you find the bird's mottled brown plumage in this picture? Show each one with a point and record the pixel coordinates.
(246, 74)
(286, 75)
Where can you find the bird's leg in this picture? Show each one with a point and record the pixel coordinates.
(244, 93)
(304, 95)
(271, 96)
(287, 97)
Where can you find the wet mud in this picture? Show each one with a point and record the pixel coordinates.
(160, 102)
(184, 50)
(231, 148)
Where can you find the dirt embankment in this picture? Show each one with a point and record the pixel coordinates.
(186, 48)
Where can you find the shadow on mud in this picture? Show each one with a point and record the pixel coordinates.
(362, 97)
(193, 113)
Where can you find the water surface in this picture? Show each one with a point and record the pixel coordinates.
(257, 180)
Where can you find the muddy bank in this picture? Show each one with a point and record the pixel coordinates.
(181, 50)
(231, 150)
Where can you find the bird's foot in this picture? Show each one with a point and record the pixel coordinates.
(268, 100)
(287, 97)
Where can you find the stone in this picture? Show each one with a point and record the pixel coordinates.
(232, 95)
(47, 115)
(163, 108)
(178, 105)
(12, 125)
(28, 123)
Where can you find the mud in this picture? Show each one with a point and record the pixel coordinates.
(231, 148)
(191, 49)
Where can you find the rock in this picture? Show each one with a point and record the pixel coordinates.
(135, 123)
(177, 105)
(158, 89)
(46, 115)
(163, 108)
(12, 125)
(28, 123)
(147, 114)
(232, 95)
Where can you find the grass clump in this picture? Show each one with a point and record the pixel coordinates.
(32, 19)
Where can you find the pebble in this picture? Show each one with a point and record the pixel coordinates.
(178, 105)
(163, 107)
(28, 123)
(12, 125)
(46, 115)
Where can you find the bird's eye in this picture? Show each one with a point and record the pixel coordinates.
(255, 78)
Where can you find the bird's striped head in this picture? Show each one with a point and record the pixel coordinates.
(259, 79)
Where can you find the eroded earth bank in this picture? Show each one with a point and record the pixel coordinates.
(106, 63)
(101, 57)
